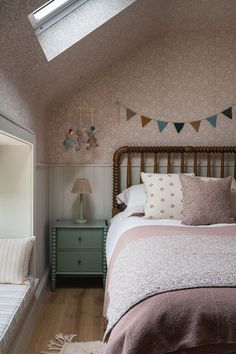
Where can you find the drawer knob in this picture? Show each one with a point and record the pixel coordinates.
(79, 262)
(79, 239)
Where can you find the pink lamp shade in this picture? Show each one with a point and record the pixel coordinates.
(82, 186)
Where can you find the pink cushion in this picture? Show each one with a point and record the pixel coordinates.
(206, 202)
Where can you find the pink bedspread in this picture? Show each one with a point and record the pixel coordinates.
(195, 320)
(198, 321)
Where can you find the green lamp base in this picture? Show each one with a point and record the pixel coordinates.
(81, 221)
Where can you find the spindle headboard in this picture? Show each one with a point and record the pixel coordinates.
(158, 152)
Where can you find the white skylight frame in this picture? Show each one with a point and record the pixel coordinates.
(72, 21)
(52, 12)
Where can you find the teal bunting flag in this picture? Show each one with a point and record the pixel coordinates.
(161, 125)
(179, 126)
(228, 113)
(212, 120)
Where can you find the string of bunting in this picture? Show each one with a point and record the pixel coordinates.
(212, 120)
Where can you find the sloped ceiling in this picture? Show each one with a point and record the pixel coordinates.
(22, 58)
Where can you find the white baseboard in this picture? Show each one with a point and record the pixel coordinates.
(23, 336)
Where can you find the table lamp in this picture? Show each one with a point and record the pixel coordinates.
(81, 186)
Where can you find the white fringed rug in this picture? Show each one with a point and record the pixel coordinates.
(62, 344)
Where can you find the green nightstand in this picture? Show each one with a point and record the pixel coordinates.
(78, 249)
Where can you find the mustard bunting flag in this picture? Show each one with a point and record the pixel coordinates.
(145, 120)
(196, 125)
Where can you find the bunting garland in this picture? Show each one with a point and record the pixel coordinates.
(161, 124)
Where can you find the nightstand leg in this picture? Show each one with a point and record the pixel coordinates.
(104, 266)
(53, 259)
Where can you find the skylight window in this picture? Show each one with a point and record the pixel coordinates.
(51, 12)
(59, 24)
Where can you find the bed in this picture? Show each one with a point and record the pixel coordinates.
(171, 288)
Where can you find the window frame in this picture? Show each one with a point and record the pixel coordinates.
(54, 16)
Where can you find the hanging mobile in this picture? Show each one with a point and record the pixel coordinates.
(84, 136)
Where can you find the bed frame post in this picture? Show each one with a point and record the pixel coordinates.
(116, 177)
(235, 164)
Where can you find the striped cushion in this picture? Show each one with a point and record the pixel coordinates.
(14, 259)
(14, 300)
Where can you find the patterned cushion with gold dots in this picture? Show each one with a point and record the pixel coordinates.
(164, 197)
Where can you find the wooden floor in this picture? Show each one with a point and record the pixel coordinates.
(70, 311)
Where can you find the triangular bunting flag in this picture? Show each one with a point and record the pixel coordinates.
(179, 126)
(212, 120)
(228, 113)
(196, 125)
(129, 113)
(145, 120)
(161, 125)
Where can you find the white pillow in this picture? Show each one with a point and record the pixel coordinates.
(164, 197)
(14, 259)
(134, 198)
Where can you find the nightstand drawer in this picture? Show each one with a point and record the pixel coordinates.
(79, 238)
(76, 261)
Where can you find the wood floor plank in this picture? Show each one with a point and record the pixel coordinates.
(68, 311)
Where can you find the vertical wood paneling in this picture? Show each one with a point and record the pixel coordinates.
(123, 177)
(98, 193)
(108, 190)
(41, 251)
(136, 175)
(68, 197)
(56, 193)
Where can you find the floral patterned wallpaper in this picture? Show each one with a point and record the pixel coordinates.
(20, 96)
(181, 78)
(23, 108)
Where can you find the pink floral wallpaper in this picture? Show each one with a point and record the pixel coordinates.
(181, 78)
(25, 110)
(20, 95)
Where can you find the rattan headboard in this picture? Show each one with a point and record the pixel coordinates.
(158, 152)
